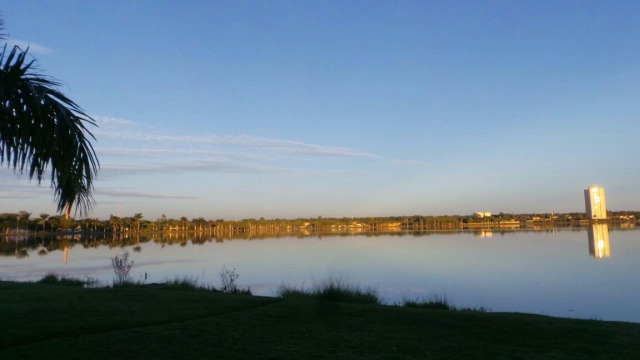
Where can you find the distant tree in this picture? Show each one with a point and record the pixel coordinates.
(43, 220)
(184, 222)
(87, 223)
(137, 218)
(198, 223)
(115, 222)
(24, 216)
(68, 223)
(54, 222)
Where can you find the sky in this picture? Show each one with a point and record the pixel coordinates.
(287, 109)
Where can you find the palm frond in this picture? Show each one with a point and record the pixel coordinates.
(42, 128)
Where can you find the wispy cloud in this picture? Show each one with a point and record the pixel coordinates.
(33, 47)
(193, 165)
(18, 195)
(284, 146)
(22, 191)
(127, 130)
(109, 121)
(140, 195)
(211, 154)
(401, 162)
(164, 152)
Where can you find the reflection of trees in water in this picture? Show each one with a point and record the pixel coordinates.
(42, 245)
(21, 253)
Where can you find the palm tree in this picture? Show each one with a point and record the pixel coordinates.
(185, 223)
(137, 218)
(115, 222)
(43, 220)
(40, 127)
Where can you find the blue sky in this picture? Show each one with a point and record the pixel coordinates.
(331, 108)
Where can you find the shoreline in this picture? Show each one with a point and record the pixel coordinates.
(151, 322)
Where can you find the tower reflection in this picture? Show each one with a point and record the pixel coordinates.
(599, 241)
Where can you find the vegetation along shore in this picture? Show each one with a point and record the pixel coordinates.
(23, 222)
(63, 319)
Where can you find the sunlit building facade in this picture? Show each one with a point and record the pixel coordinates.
(481, 214)
(595, 203)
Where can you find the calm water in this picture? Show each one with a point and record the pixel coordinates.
(584, 273)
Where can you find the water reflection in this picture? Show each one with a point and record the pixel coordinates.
(599, 241)
(483, 233)
(20, 246)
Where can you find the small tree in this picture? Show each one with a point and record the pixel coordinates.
(121, 267)
(228, 279)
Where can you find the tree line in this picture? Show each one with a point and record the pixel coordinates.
(22, 222)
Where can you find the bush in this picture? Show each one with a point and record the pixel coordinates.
(183, 284)
(287, 292)
(59, 280)
(228, 284)
(333, 290)
(336, 290)
(121, 267)
(435, 302)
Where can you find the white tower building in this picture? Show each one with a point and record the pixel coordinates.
(595, 203)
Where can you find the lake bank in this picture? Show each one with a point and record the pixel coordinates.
(54, 321)
(558, 272)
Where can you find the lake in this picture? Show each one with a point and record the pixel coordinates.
(589, 272)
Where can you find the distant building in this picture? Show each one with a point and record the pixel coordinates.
(481, 214)
(595, 203)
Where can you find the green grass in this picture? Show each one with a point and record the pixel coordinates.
(55, 279)
(435, 303)
(181, 284)
(333, 290)
(47, 321)
(177, 284)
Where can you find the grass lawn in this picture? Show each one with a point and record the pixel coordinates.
(55, 321)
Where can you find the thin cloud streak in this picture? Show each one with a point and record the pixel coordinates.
(18, 195)
(24, 191)
(141, 195)
(109, 121)
(109, 127)
(181, 167)
(183, 153)
(33, 47)
(187, 152)
(401, 162)
(285, 146)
